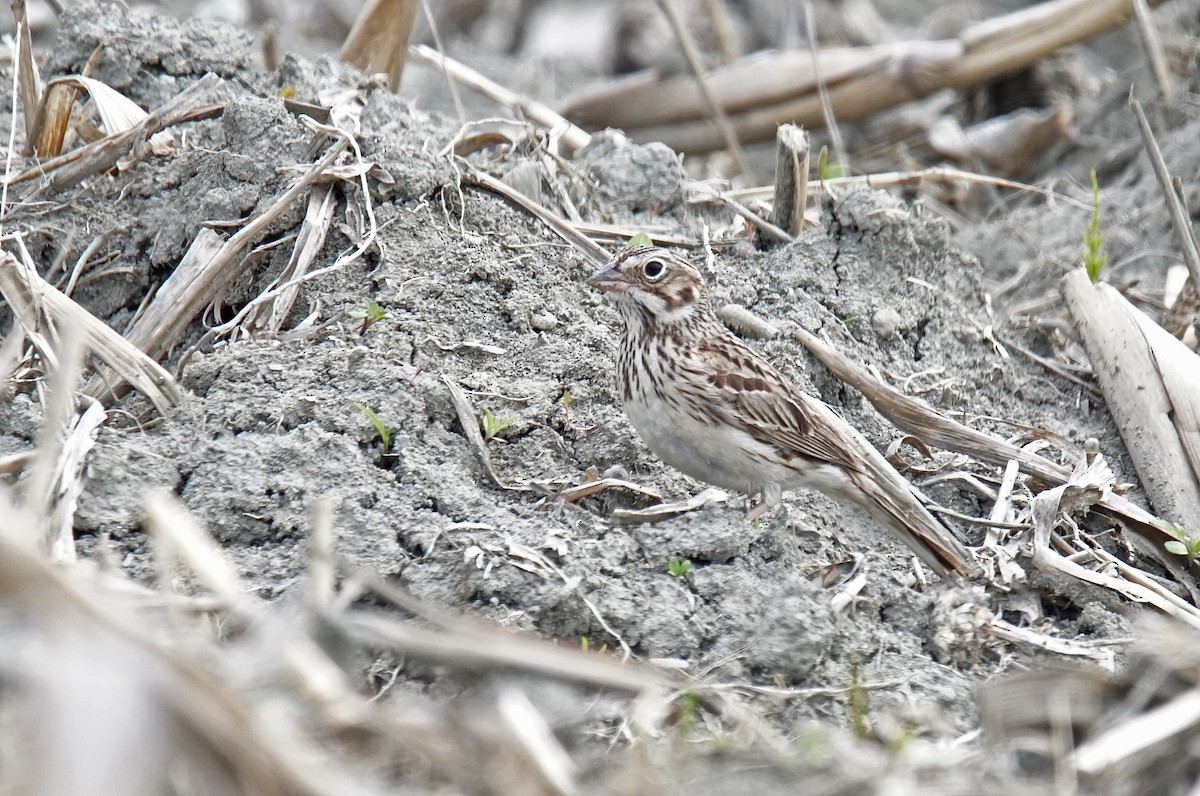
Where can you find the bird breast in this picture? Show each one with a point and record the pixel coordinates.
(681, 430)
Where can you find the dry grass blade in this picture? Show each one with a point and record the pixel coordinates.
(1180, 219)
(379, 39)
(529, 727)
(1155, 52)
(590, 488)
(692, 55)
(916, 417)
(177, 534)
(45, 477)
(470, 648)
(34, 300)
(131, 696)
(309, 242)
(469, 420)
(1125, 744)
(664, 510)
(909, 179)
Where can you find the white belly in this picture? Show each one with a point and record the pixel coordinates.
(717, 455)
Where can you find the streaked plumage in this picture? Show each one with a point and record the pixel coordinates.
(710, 406)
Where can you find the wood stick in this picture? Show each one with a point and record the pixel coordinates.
(791, 178)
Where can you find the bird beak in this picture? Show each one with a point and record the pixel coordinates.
(609, 279)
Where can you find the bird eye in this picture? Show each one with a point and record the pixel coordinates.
(653, 269)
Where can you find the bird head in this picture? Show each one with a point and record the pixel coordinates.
(649, 284)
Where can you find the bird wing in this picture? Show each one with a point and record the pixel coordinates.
(752, 395)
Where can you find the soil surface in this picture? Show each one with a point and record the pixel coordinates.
(479, 294)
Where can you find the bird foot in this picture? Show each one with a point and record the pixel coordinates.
(757, 510)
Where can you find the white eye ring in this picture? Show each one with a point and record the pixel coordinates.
(654, 269)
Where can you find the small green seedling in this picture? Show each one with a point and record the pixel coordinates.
(688, 707)
(641, 239)
(371, 313)
(1183, 544)
(493, 425)
(1094, 257)
(858, 703)
(585, 645)
(381, 428)
(677, 567)
(848, 320)
(827, 170)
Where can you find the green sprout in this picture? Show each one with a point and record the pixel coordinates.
(381, 428)
(493, 425)
(371, 313)
(1183, 544)
(827, 170)
(901, 741)
(688, 711)
(640, 239)
(1094, 257)
(858, 703)
(585, 645)
(677, 567)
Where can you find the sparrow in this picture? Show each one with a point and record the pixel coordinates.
(710, 406)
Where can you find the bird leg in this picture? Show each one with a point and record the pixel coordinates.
(772, 496)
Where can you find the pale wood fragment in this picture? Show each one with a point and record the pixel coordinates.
(1129, 369)
(791, 178)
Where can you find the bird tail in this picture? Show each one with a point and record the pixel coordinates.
(891, 501)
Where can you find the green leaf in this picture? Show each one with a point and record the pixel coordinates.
(381, 428)
(1094, 256)
(641, 239)
(1176, 548)
(677, 567)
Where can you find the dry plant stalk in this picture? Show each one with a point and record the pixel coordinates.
(29, 82)
(207, 267)
(918, 418)
(1181, 220)
(379, 39)
(125, 147)
(791, 178)
(1151, 386)
(767, 89)
(37, 304)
